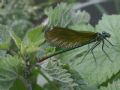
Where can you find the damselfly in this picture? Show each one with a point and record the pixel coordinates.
(71, 39)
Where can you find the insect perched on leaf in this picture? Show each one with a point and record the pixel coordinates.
(70, 39)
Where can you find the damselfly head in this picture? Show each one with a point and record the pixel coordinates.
(105, 34)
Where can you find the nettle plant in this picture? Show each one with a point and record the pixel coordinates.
(25, 62)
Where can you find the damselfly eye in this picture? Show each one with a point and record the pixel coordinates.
(105, 34)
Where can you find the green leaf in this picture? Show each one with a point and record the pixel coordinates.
(82, 85)
(63, 15)
(82, 27)
(35, 35)
(50, 49)
(18, 85)
(34, 79)
(56, 15)
(59, 74)
(37, 87)
(16, 39)
(10, 69)
(20, 27)
(2, 53)
(80, 17)
(4, 37)
(33, 39)
(112, 86)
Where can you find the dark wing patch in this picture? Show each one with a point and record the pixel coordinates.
(66, 38)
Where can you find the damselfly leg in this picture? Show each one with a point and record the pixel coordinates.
(96, 44)
(103, 43)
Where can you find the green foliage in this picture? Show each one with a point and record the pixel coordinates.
(4, 37)
(19, 61)
(63, 77)
(15, 23)
(16, 39)
(59, 74)
(114, 86)
(82, 27)
(30, 42)
(18, 85)
(10, 70)
(35, 35)
(15, 15)
(20, 27)
(63, 15)
(13, 7)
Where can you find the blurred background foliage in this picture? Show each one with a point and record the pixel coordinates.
(22, 45)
